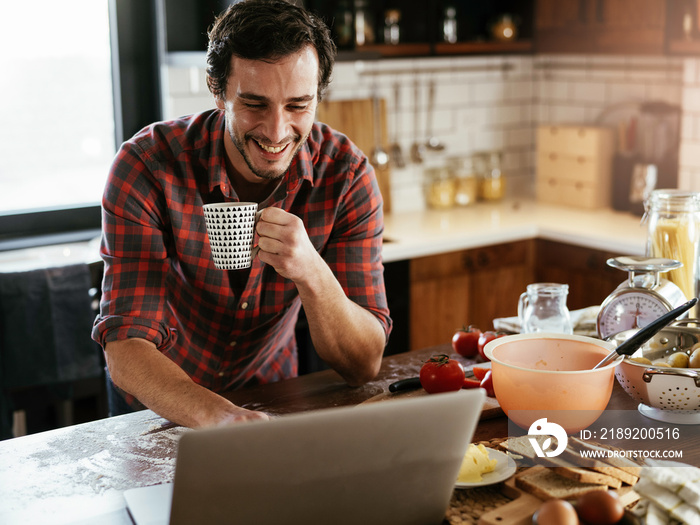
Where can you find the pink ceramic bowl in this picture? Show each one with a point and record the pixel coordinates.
(551, 376)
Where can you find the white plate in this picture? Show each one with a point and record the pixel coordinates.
(505, 468)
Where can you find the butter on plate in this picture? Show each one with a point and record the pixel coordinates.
(476, 462)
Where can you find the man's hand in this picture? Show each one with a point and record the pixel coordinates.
(137, 367)
(285, 245)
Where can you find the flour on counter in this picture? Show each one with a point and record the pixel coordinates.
(95, 464)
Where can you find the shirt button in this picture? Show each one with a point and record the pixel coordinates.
(244, 306)
(232, 343)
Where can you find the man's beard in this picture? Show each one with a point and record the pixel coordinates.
(271, 174)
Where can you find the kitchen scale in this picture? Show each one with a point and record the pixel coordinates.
(642, 298)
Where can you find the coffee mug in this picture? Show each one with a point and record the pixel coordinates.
(231, 228)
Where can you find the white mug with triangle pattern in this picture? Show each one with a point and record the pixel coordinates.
(231, 228)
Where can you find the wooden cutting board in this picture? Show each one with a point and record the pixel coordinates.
(355, 118)
(490, 409)
(522, 506)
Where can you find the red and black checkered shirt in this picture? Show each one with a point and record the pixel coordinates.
(227, 329)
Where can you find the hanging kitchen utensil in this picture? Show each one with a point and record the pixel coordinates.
(638, 339)
(395, 152)
(433, 143)
(417, 147)
(380, 158)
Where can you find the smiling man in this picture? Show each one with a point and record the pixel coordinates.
(176, 331)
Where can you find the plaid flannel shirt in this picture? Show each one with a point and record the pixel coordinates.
(160, 283)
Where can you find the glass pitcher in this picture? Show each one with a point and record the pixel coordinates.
(543, 309)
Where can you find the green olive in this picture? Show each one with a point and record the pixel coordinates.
(678, 360)
(694, 361)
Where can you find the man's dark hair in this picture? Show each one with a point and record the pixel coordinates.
(265, 30)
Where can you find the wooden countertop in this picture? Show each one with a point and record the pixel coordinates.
(78, 474)
(429, 232)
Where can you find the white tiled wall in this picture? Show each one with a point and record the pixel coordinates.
(689, 174)
(496, 102)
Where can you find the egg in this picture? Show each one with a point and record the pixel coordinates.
(600, 507)
(556, 512)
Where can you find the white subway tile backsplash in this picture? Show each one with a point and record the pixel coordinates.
(495, 102)
(567, 113)
(690, 71)
(491, 92)
(690, 154)
(664, 92)
(691, 98)
(624, 92)
(588, 91)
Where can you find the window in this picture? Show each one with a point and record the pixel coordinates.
(57, 136)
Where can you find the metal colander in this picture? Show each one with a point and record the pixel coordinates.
(665, 394)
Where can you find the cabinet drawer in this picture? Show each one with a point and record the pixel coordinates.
(577, 168)
(467, 261)
(576, 140)
(572, 193)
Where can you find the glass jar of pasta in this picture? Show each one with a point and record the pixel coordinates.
(673, 221)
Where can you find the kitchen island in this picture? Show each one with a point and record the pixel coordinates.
(78, 474)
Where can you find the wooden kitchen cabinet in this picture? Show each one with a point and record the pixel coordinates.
(421, 25)
(473, 286)
(585, 270)
(476, 286)
(600, 26)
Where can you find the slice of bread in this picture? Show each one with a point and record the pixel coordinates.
(612, 459)
(588, 476)
(629, 475)
(622, 475)
(521, 445)
(545, 483)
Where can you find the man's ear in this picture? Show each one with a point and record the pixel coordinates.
(218, 99)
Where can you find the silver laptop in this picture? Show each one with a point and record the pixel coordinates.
(379, 463)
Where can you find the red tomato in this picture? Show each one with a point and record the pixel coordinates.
(471, 383)
(441, 374)
(479, 372)
(487, 384)
(466, 341)
(485, 338)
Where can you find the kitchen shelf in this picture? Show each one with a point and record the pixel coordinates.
(469, 48)
(393, 51)
(683, 47)
(438, 49)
